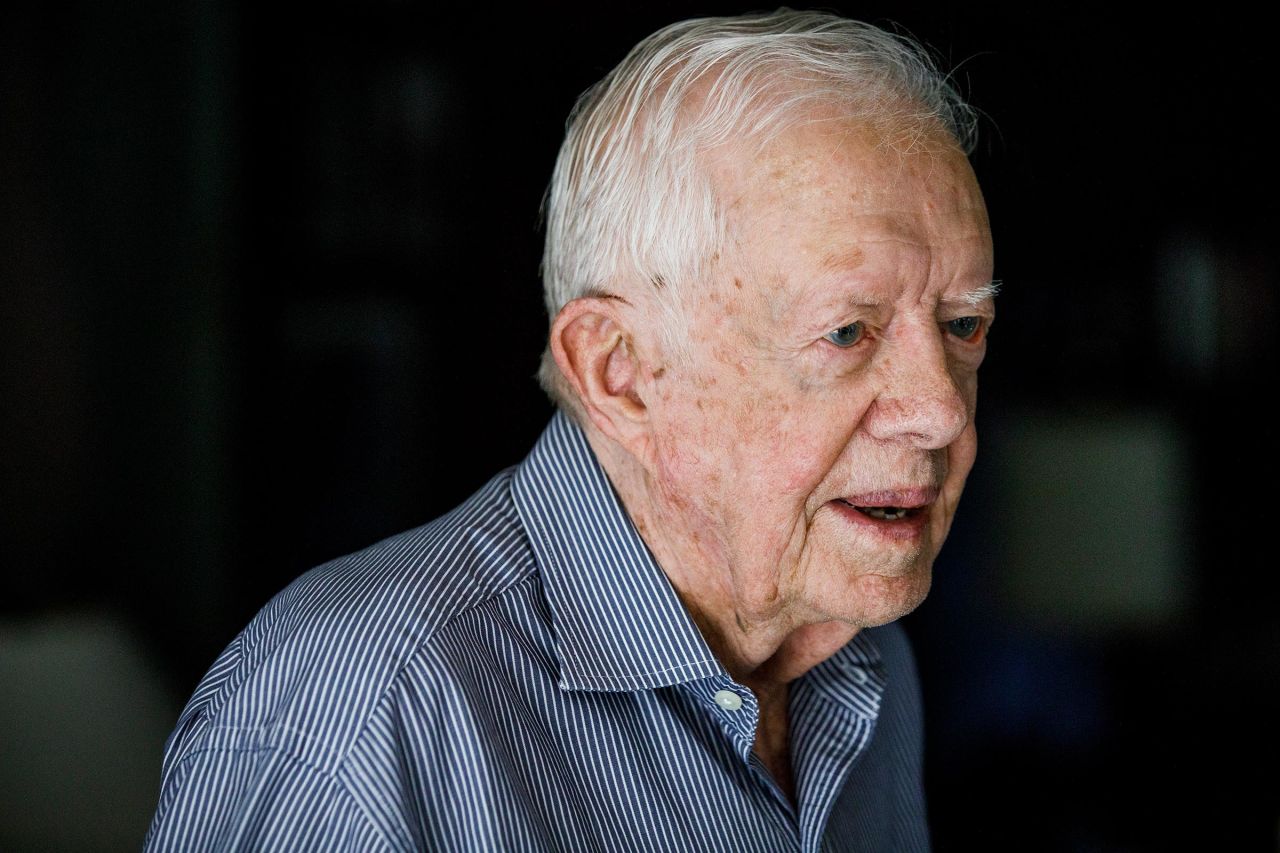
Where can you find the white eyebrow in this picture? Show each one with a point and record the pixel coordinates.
(981, 294)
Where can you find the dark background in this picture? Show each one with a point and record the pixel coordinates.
(269, 292)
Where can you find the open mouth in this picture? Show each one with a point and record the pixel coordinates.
(885, 513)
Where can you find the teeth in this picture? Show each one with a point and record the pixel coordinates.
(885, 513)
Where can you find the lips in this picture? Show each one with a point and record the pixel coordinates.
(894, 515)
(893, 500)
(906, 507)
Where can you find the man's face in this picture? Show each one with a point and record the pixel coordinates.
(814, 445)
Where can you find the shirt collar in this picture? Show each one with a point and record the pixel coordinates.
(854, 677)
(618, 623)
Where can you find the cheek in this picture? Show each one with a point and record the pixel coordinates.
(822, 430)
(758, 432)
(743, 448)
(966, 382)
(961, 455)
(692, 428)
(802, 448)
(964, 450)
(803, 455)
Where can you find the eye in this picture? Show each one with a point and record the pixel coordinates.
(846, 336)
(966, 328)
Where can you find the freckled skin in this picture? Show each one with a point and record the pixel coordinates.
(753, 437)
(767, 423)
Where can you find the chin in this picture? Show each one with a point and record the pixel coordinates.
(878, 599)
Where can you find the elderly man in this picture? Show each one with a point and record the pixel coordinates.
(768, 268)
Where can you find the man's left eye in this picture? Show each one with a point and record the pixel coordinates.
(965, 328)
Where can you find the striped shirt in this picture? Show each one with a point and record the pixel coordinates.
(520, 675)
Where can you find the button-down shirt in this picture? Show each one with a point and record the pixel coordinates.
(520, 675)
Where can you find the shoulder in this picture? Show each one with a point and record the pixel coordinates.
(268, 751)
(312, 665)
(411, 583)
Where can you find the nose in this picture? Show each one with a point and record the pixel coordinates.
(919, 400)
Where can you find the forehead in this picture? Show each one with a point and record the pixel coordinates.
(832, 196)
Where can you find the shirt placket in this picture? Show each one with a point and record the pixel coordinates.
(737, 714)
(827, 741)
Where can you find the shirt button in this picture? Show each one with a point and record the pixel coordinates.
(858, 674)
(728, 700)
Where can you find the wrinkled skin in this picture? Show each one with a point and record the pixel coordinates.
(768, 424)
(755, 444)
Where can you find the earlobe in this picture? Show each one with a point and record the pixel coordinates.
(597, 356)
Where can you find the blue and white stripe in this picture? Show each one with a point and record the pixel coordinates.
(520, 675)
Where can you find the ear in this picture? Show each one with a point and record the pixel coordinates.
(596, 353)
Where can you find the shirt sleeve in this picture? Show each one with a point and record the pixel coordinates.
(259, 799)
(229, 788)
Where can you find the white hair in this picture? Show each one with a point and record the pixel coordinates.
(629, 201)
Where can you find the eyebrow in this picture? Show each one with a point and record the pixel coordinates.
(982, 294)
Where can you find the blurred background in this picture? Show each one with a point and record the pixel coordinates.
(269, 293)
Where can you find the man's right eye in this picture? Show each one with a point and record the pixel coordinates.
(846, 336)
